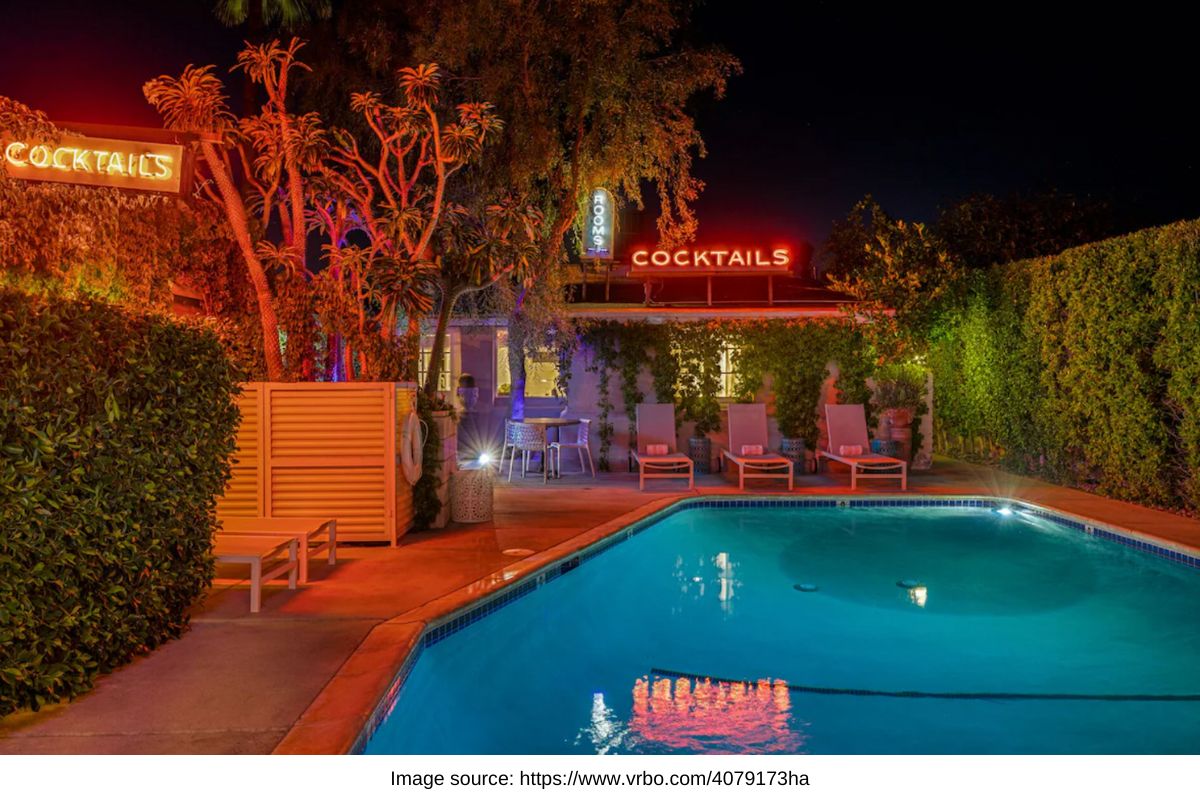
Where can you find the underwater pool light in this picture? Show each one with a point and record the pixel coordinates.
(1004, 511)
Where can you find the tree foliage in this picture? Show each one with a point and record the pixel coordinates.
(905, 274)
(900, 275)
(592, 94)
(983, 230)
(378, 205)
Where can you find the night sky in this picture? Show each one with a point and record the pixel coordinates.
(917, 107)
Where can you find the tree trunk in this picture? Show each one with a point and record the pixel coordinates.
(235, 211)
(516, 365)
(434, 371)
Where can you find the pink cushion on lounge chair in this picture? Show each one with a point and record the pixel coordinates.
(752, 449)
(656, 450)
(850, 450)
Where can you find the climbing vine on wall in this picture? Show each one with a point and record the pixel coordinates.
(684, 361)
(602, 340)
(795, 355)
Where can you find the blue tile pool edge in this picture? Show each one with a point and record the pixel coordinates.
(456, 620)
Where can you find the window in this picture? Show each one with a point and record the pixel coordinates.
(729, 371)
(728, 375)
(426, 354)
(541, 370)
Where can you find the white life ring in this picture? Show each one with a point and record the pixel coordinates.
(412, 447)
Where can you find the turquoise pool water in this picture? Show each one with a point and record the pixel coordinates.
(612, 656)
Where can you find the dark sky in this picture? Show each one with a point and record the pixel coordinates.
(917, 106)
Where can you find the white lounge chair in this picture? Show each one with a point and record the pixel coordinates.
(748, 430)
(315, 534)
(848, 429)
(656, 427)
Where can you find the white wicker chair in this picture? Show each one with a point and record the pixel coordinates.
(528, 439)
(506, 451)
(581, 444)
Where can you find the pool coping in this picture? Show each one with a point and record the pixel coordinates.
(364, 690)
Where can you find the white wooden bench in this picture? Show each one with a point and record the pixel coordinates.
(256, 551)
(315, 533)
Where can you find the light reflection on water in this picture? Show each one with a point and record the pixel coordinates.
(687, 715)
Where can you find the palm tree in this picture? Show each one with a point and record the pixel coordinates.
(257, 16)
(269, 149)
(260, 13)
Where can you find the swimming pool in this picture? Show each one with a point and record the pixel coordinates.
(824, 630)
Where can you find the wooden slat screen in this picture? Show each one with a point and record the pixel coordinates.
(324, 449)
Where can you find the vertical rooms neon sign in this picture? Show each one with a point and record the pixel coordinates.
(599, 225)
(118, 163)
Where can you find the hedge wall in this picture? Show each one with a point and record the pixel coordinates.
(1083, 368)
(115, 436)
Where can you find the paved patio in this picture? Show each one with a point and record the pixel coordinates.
(238, 683)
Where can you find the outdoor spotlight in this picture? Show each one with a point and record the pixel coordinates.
(484, 458)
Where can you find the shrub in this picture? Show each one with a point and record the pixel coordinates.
(116, 431)
(1082, 367)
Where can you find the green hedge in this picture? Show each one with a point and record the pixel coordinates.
(1083, 368)
(115, 437)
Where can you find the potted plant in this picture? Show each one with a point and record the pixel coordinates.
(900, 394)
(705, 412)
(794, 414)
(468, 392)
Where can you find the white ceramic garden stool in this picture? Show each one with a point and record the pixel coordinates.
(471, 495)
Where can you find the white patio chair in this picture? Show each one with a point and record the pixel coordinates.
(528, 439)
(506, 450)
(581, 445)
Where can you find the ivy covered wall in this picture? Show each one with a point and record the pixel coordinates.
(1082, 368)
(789, 364)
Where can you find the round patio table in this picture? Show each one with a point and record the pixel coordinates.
(549, 422)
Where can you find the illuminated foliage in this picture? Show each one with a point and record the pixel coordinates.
(264, 152)
(390, 236)
(900, 274)
(393, 190)
(1081, 367)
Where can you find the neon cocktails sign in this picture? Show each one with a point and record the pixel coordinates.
(599, 225)
(121, 164)
(685, 260)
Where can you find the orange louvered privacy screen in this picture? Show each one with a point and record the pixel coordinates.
(323, 450)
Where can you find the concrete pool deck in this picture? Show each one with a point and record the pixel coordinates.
(302, 675)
